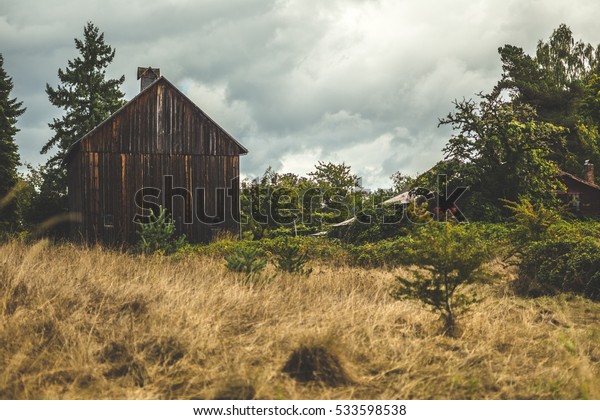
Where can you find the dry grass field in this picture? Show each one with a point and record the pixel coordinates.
(89, 323)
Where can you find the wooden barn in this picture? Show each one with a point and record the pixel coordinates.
(158, 149)
(582, 195)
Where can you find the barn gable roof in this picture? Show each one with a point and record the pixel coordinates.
(162, 80)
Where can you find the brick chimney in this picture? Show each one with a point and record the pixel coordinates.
(147, 75)
(589, 172)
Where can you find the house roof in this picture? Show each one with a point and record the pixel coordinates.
(577, 179)
(161, 79)
(345, 222)
(403, 198)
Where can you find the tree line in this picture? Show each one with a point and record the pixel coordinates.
(542, 116)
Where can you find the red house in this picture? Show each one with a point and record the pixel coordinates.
(583, 195)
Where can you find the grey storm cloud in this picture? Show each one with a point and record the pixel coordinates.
(363, 82)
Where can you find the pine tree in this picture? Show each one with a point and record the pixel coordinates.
(10, 110)
(85, 94)
(87, 98)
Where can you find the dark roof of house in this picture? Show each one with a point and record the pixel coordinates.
(161, 79)
(577, 179)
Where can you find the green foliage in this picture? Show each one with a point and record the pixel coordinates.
(84, 92)
(87, 98)
(541, 116)
(388, 253)
(504, 150)
(19, 199)
(559, 265)
(248, 260)
(158, 236)
(531, 221)
(372, 223)
(11, 110)
(555, 255)
(305, 205)
(445, 257)
(402, 182)
(377, 221)
(48, 200)
(218, 249)
(289, 257)
(334, 175)
(561, 82)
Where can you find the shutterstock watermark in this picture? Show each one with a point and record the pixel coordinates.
(285, 206)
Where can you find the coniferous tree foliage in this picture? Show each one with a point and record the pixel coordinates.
(87, 98)
(10, 111)
(84, 93)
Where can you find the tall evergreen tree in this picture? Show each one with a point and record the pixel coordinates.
(84, 93)
(10, 110)
(88, 98)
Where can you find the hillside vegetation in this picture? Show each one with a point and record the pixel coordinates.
(81, 322)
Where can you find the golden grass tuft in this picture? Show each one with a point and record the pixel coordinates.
(79, 322)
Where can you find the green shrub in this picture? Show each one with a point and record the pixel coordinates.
(444, 257)
(158, 236)
(566, 264)
(573, 229)
(531, 222)
(330, 251)
(249, 261)
(220, 248)
(555, 255)
(386, 253)
(494, 232)
(289, 257)
(382, 222)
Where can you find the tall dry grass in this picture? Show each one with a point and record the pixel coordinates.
(90, 323)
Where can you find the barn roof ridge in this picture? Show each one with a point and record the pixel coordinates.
(76, 144)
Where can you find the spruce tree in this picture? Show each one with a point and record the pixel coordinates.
(10, 110)
(87, 98)
(84, 93)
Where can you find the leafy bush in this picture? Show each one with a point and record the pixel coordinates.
(288, 256)
(574, 228)
(445, 257)
(386, 253)
(330, 251)
(248, 260)
(567, 264)
(158, 236)
(531, 222)
(555, 255)
(220, 248)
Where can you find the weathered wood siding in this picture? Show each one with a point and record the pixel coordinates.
(589, 196)
(159, 133)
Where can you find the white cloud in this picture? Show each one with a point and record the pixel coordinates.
(233, 115)
(359, 81)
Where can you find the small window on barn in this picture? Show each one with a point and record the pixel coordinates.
(109, 221)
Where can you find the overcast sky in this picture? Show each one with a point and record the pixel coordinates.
(361, 82)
